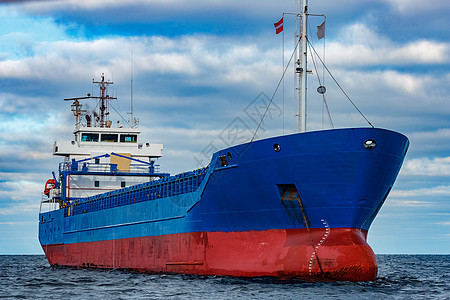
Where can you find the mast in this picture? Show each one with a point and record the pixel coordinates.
(103, 104)
(103, 84)
(132, 121)
(302, 71)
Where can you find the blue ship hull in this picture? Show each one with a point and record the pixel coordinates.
(293, 205)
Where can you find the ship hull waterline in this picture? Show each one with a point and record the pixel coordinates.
(337, 254)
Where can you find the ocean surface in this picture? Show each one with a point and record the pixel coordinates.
(399, 277)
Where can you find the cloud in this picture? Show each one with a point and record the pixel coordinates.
(55, 61)
(19, 199)
(418, 6)
(19, 33)
(224, 69)
(400, 84)
(173, 17)
(437, 166)
(184, 56)
(16, 223)
(433, 143)
(412, 203)
(358, 45)
(156, 8)
(422, 192)
(442, 134)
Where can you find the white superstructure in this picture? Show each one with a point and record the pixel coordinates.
(102, 158)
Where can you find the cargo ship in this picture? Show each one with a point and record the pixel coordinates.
(297, 205)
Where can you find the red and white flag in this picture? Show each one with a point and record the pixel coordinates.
(278, 26)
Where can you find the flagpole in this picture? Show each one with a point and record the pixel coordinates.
(298, 4)
(303, 69)
(279, 27)
(282, 54)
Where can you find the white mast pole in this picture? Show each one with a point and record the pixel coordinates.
(296, 117)
(132, 123)
(303, 69)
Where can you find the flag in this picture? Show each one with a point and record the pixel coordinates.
(278, 26)
(321, 31)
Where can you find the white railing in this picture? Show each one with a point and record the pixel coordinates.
(49, 203)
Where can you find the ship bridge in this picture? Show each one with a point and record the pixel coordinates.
(95, 140)
(101, 157)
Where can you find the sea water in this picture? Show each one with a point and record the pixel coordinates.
(399, 277)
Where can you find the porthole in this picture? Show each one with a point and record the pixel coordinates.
(229, 156)
(370, 144)
(276, 147)
(223, 161)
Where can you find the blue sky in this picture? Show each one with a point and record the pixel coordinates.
(199, 64)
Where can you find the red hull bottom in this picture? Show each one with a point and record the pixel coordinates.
(336, 254)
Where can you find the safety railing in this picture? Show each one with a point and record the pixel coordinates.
(164, 187)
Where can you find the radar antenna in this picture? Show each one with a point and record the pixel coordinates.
(103, 108)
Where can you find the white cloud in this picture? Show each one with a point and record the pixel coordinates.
(80, 4)
(442, 135)
(437, 166)
(215, 58)
(393, 81)
(160, 8)
(410, 203)
(408, 83)
(19, 123)
(53, 61)
(418, 6)
(16, 223)
(20, 208)
(421, 52)
(358, 45)
(429, 144)
(422, 192)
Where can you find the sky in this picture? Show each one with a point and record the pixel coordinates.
(200, 66)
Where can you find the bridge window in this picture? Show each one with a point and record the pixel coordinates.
(89, 137)
(108, 137)
(128, 138)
